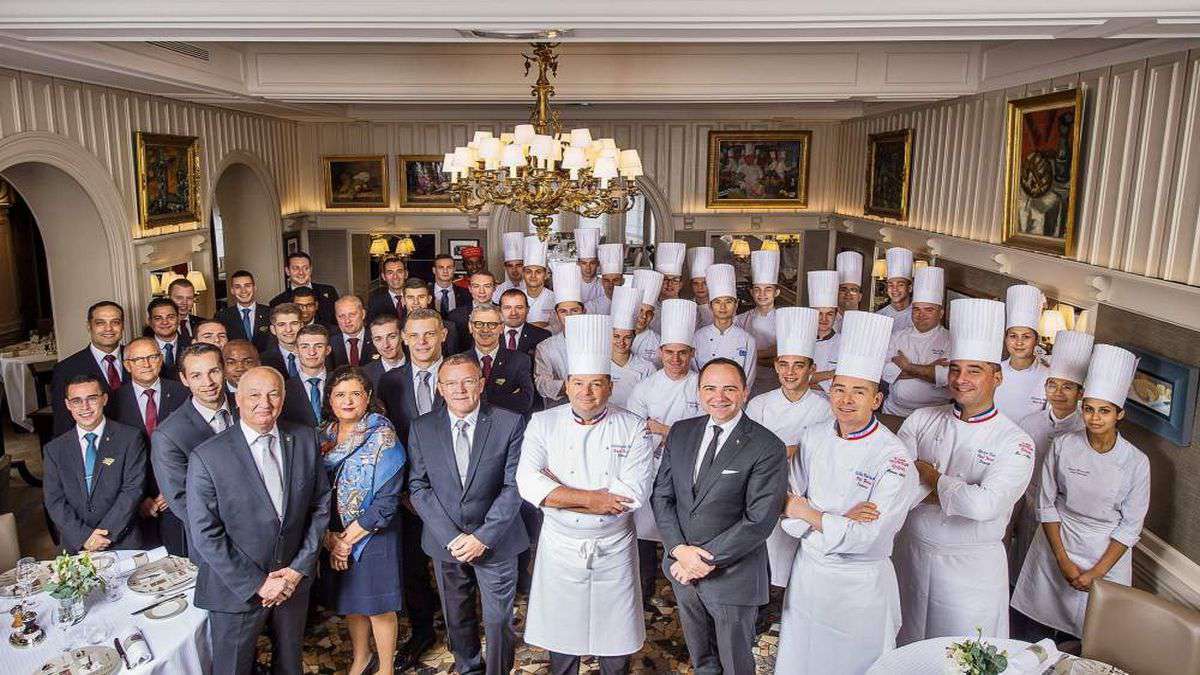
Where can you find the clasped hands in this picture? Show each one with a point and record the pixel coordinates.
(151, 507)
(1080, 580)
(279, 586)
(97, 541)
(341, 544)
(691, 563)
(466, 548)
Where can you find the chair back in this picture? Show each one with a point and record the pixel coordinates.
(10, 550)
(1140, 632)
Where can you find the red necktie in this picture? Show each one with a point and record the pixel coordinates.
(487, 367)
(151, 411)
(353, 351)
(399, 306)
(114, 378)
(512, 339)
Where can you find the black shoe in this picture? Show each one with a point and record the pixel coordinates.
(410, 653)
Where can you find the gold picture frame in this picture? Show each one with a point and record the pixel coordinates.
(168, 179)
(422, 183)
(356, 181)
(889, 174)
(1041, 186)
(758, 169)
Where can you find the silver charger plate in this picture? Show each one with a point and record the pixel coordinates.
(103, 660)
(166, 610)
(162, 576)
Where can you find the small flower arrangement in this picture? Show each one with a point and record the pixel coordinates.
(73, 576)
(975, 657)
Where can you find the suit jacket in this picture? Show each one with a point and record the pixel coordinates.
(231, 317)
(123, 408)
(296, 406)
(326, 296)
(735, 506)
(271, 356)
(232, 525)
(117, 487)
(528, 339)
(80, 363)
(488, 504)
(510, 384)
(182, 341)
(170, 447)
(461, 297)
(400, 398)
(188, 329)
(379, 302)
(451, 345)
(461, 318)
(341, 356)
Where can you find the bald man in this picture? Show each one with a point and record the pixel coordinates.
(350, 343)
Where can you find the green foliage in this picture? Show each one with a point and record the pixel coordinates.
(73, 576)
(976, 657)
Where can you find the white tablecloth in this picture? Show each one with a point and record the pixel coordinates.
(19, 387)
(928, 657)
(179, 644)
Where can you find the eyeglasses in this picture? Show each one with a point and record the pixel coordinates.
(469, 383)
(486, 325)
(87, 401)
(146, 360)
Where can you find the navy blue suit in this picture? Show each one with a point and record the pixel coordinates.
(341, 355)
(510, 384)
(260, 335)
(81, 362)
(326, 297)
(297, 408)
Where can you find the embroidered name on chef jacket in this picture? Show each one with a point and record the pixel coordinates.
(742, 353)
(1075, 471)
(620, 450)
(985, 457)
(864, 480)
(1025, 450)
(898, 466)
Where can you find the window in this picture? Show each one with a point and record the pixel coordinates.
(639, 224)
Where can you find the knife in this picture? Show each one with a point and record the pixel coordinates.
(121, 653)
(164, 600)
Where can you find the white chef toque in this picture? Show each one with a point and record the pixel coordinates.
(929, 285)
(1071, 356)
(568, 282)
(668, 258)
(1023, 306)
(514, 246)
(649, 282)
(822, 289)
(849, 268)
(863, 349)
(626, 301)
(589, 344)
(722, 282)
(699, 258)
(535, 252)
(612, 258)
(796, 331)
(586, 240)
(976, 330)
(764, 267)
(678, 322)
(899, 263)
(1111, 373)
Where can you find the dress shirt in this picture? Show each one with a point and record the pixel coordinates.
(162, 347)
(433, 375)
(99, 356)
(516, 337)
(251, 436)
(208, 415)
(448, 291)
(390, 365)
(470, 419)
(726, 429)
(81, 432)
(253, 313)
(362, 343)
(140, 398)
(305, 377)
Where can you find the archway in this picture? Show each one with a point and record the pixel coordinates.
(245, 202)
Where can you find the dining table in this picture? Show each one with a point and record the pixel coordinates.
(19, 387)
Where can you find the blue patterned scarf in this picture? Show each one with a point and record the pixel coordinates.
(362, 464)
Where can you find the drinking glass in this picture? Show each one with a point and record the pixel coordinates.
(27, 574)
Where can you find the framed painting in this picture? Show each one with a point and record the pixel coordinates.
(1162, 397)
(356, 181)
(422, 183)
(758, 169)
(889, 174)
(168, 179)
(1041, 189)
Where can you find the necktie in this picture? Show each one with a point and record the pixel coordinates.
(185, 325)
(314, 397)
(487, 366)
(292, 372)
(462, 449)
(169, 355)
(353, 351)
(89, 460)
(220, 421)
(247, 327)
(151, 411)
(445, 302)
(512, 339)
(399, 306)
(424, 396)
(110, 368)
(709, 454)
(272, 473)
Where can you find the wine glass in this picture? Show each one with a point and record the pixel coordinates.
(27, 575)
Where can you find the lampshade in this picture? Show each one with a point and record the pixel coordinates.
(740, 248)
(770, 245)
(1051, 322)
(167, 278)
(379, 246)
(197, 279)
(1068, 315)
(155, 285)
(918, 264)
(879, 269)
(405, 247)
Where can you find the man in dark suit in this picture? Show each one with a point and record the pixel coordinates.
(246, 318)
(416, 296)
(447, 296)
(212, 332)
(240, 356)
(389, 298)
(285, 326)
(209, 412)
(102, 358)
(518, 335)
(350, 344)
(143, 401)
(94, 473)
(508, 382)
(257, 506)
(717, 496)
(388, 343)
(298, 268)
(482, 285)
(462, 481)
(162, 322)
(305, 394)
(183, 293)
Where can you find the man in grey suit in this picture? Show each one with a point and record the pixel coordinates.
(257, 507)
(462, 482)
(718, 494)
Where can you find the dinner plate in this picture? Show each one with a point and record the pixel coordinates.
(1078, 666)
(92, 660)
(162, 576)
(167, 609)
(8, 581)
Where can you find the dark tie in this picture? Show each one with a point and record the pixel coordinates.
(353, 351)
(445, 302)
(247, 326)
(110, 372)
(512, 339)
(151, 411)
(314, 397)
(487, 367)
(399, 306)
(292, 372)
(185, 326)
(710, 453)
(169, 357)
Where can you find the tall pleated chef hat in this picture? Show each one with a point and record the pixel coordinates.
(796, 331)
(1023, 306)
(722, 281)
(649, 282)
(668, 258)
(568, 282)
(976, 330)
(514, 246)
(678, 322)
(849, 267)
(1111, 373)
(612, 258)
(586, 240)
(822, 289)
(764, 267)
(699, 258)
(899, 263)
(929, 285)
(535, 252)
(589, 344)
(1071, 356)
(863, 349)
(626, 301)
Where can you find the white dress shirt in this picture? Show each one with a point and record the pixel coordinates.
(99, 356)
(470, 419)
(251, 437)
(209, 415)
(448, 292)
(726, 429)
(363, 341)
(81, 432)
(140, 398)
(433, 375)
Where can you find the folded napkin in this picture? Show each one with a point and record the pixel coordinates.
(1035, 658)
(128, 565)
(135, 646)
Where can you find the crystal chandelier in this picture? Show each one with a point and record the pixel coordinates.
(539, 170)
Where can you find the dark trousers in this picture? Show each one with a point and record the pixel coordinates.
(567, 664)
(720, 638)
(172, 532)
(494, 583)
(532, 517)
(419, 600)
(234, 634)
(648, 566)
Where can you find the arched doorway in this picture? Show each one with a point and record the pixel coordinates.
(247, 230)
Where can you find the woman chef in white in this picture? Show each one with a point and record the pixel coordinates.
(759, 321)
(1094, 494)
(1023, 390)
(852, 483)
(627, 368)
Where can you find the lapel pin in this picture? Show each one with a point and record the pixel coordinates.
(108, 461)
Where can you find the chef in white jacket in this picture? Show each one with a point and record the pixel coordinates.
(587, 242)
(627, 368)
(550, 357)
(1024, 388)
(645, 342)
(759, 321)
(974, 464)
(1064, 390)
(852, 483)
(612, 265)
(917, 369)
(823, 297)
(699, 258)
(541, 299)
(669, 257)
(789, 410)
(514, 264)
(899, 288)
(587, 466)
(664, 398)
(849, 266)
(1093, 497)
(722, 337)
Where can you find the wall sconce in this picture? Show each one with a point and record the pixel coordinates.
(740, 248)
(167, 278)
(1068, 315)
(197, 279)
(379, 247)
(879, 269)
(1051, 322)
(918, 264)
(405, 246)
(156, 287)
